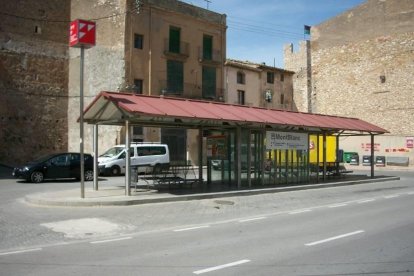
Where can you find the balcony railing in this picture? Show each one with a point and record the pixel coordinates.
(181, 51)
(190, 91)
(214, 58)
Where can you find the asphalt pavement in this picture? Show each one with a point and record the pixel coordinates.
(344, 230)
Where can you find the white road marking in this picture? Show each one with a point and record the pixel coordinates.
(20, 251)
(191, 228)
(300, 211)
(335, 238)
(337, 205)
(251, 219)
(391, 196)
(366, 200)
(410, 193)
(221, 267)
(112, 240)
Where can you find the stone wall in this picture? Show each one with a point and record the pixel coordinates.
(298, 61)
(371, 80)
(104, 67)
(33, 79)
(362, 63)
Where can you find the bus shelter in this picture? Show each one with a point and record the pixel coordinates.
(245, 146)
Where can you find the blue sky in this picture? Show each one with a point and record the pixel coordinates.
(258, 29)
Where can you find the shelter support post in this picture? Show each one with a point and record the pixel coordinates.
(95, 157)
(337, 155)
(317, 158)
(324, 156)
(372, 155)
(127, 159)
(200, 154)
(308, 164)
(238, 157)
(249, 159)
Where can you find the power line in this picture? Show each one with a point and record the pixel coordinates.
(261, 27)
(264, 32)
(236, 18)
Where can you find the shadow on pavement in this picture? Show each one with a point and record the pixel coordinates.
(6, 172)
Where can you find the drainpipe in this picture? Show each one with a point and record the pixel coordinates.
(150, 54)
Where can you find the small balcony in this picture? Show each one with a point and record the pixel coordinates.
(180, 50)
(189, 91)
(213, 58)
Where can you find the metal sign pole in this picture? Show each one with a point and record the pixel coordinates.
(82, 34)
(82, 159)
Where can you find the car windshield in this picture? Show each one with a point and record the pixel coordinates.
(112, 152)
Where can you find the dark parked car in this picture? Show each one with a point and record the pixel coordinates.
(54, 166)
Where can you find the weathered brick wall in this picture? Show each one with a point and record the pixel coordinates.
(33, 79)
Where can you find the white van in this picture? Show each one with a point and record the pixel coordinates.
(143, 155)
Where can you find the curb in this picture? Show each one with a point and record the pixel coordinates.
(40, 199)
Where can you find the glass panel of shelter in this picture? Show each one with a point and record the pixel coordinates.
(267, 167)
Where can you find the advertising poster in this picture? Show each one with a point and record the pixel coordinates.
(217, 147)
(286, 140)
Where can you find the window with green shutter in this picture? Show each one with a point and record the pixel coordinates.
(207, 47)
(174, 42)
(175, 77)
(209, 82)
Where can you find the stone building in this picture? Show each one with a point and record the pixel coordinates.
(33, 79)
(259, 85)
(150, 47)
(361, 64)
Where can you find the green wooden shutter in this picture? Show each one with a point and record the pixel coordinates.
(174, 43)
(209, 82)
(207, 47)
(175, 77)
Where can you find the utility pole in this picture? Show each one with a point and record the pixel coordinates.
(207, 2)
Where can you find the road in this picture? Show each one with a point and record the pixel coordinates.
(354, 230)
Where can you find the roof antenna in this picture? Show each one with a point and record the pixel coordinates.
(207, 2)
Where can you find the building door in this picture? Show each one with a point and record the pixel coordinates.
(175, 77)
(209, 82)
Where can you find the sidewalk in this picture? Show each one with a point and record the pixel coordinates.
(114, 195)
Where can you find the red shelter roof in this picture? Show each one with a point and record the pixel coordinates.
(115, 108)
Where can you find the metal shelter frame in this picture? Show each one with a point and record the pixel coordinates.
(125, 109)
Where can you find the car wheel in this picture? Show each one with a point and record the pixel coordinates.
(36, 177)
(115, 170)
(89, 175)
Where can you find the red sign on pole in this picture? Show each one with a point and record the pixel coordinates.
(82, 33)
